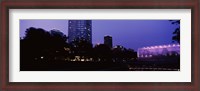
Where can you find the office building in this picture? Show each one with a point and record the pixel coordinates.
(108, 41)
(80, 30)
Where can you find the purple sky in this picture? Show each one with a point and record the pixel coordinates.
(128, 33)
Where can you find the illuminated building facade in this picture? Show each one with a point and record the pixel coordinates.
(108, 41)
(80, 29)
(160, 50)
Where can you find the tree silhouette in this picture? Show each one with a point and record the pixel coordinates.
(130, 54)
(176, 33)
(39, 44)
(57, 42)
(32, 46)
(58, 37)
(103, 53)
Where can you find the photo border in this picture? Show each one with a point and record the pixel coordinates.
(191, 4)
(15, 15)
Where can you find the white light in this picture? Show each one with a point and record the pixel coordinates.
(41, 57)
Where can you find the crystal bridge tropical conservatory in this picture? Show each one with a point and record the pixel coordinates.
(159, 51)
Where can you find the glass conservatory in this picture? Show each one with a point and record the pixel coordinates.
(159, 50)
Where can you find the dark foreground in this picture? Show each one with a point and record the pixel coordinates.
(171, 64)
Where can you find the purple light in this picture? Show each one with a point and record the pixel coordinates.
(159, 50)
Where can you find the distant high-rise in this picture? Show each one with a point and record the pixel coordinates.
(108, 41)
(80, 29)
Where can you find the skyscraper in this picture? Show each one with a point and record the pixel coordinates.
(108, 41)
(80, 29)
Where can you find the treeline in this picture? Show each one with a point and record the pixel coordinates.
(39, 45)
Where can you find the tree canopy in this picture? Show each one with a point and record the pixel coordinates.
(176, 33)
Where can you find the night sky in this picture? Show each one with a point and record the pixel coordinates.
(128, 33)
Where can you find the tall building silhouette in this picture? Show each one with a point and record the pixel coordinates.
(80, 30)
(108, 41)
